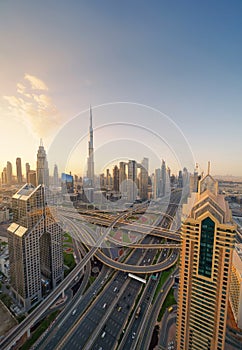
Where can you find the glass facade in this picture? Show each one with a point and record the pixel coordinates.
(206, 248)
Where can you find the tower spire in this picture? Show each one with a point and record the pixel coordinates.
(90, 117)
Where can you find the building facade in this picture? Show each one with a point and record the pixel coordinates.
(35, 246)
(42, 170)
(235, 296)
(208, 236)
(19, 170)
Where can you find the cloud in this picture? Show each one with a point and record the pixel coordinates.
(33, 107)
(35, 82)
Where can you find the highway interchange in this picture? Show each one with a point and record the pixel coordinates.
(104, 317)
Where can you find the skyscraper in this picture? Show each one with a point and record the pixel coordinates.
(4, 176)
(205, 269)
(27, 169)
(116, 178)
(42, 169)
(9, 173)
(90, 159)
(122, 177)
(19, 170)
(143, 185)
(55, 176)
(132, 180)
(35, 246)
(163, 178)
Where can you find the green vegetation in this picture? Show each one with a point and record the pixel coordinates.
(20, 318)
(67, 238)
(169, 301)
(69, 261)
(6, 300)
(112, 233)
(0, 285)
(164, 275)
(126, 237)
(40, 330)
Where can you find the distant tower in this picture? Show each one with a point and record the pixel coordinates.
(116, 178)
(19, 170)
(4, 176)
(163, 177)
(27, 169)
(132, 181)
(122, 177)
(55, 176)
(143, 186)
(208, 236)
(42, 166)
(9, 173)
(90, 159)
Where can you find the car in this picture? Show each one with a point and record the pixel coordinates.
(104, 305)
(73, 312)
(133, 335)
(120, 308)
(103, 335)
(115, 289)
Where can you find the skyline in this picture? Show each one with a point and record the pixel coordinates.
(180, 59)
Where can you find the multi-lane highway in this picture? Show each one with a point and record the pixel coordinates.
(132, 285)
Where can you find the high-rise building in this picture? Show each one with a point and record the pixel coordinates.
(180, 179)
(143, 183)
(31, 178)
(9, 173)
(122, 177)
(55, 176)
(42, 169)
(157, 183)
(163, 178)
(27, 169)
(116, 178)
(35, 246)
(4, 176)
(205, 268)
(235, 295)
(67, 183)
(19, 170)
(90, 159)
(132, 180)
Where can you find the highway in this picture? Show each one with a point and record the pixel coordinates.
(22, 328)
(103, 323)
(29, 321)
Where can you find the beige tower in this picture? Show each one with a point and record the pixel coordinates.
(205, 267)
(35, 246)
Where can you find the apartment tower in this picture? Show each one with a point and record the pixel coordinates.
(35, 246)
(205, 267)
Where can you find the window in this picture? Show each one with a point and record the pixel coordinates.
(206, 248)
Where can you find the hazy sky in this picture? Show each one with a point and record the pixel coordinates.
(182, 58)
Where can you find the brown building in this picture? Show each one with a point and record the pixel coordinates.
(205, 269)
(35, 246)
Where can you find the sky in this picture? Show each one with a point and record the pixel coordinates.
(164, 80)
